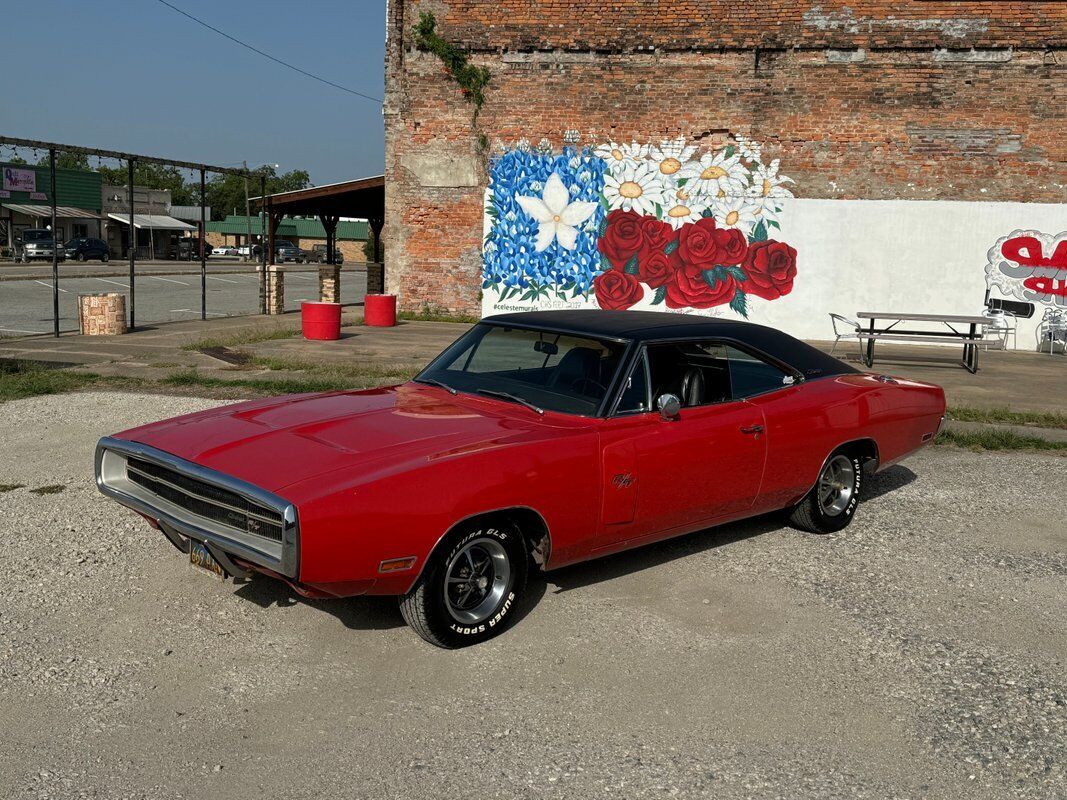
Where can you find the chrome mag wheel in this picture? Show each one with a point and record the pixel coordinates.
(836, 485)
(475, 581)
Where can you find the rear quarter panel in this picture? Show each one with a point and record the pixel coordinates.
(805, 423)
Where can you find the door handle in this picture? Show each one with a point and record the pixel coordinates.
(751, 429)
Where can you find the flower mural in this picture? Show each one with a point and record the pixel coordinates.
(625, 225)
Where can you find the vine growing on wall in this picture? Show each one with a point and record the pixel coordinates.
(472, 80)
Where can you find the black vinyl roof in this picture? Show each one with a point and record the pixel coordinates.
(644, 326)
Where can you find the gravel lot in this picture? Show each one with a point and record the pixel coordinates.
(920, 653)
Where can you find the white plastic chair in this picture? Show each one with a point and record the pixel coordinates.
(845, 328)
(1001, 326)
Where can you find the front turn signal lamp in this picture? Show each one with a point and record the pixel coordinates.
(397, 564)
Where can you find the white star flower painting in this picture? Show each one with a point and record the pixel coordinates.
(557, 216)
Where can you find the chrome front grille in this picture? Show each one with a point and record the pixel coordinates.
(205, 499)
(200, 503)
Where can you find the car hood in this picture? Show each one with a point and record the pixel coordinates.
(287, 440)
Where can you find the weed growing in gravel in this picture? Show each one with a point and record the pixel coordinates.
(52, 488)
(998, 439)
(10, 487)
(1005, 415)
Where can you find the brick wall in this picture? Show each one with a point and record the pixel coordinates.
(910, 100)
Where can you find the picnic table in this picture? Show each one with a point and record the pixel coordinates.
(966, 329)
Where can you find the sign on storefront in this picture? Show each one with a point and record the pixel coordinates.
(20, 180)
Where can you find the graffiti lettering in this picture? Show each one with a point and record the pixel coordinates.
(1030, 266)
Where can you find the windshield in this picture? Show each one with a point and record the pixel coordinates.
(553, 371)
(33, 235)
(283, 243)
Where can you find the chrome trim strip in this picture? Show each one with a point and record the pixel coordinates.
(282, 557)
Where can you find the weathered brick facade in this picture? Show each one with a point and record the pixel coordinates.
(891, 99)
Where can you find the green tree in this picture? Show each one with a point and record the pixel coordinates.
(65, 160)
(155, 176)
(226, 193)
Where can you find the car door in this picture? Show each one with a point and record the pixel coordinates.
(664, 476)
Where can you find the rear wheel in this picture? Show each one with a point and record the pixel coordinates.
(831, 503)
(469, 588)
(104, 257)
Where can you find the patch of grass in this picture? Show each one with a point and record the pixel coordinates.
(288, 385)
(427, 315)
(1005, 415)
(246, 336)
(998, 439)
(359, 372)
(19, 379)
(52, 488)
(10, 487)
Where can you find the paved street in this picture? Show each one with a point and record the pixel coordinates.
(921, 653)
(26, 305)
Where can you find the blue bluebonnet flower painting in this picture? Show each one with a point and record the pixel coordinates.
(513, 264)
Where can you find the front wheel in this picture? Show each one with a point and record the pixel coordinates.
(468, 590)
(831, 504)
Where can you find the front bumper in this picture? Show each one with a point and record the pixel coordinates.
(112, 478)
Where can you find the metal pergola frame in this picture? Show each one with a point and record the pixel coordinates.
(131, 159)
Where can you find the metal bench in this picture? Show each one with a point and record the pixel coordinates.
(970, 337)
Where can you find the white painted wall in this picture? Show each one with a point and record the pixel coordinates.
(895, 255)
(880, 255)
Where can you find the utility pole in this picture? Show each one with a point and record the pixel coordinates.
(248, 213)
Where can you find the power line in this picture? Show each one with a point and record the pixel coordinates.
(304, 72)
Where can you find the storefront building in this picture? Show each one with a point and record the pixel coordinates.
(26, 202)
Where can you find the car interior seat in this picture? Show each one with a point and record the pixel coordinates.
(576, 369)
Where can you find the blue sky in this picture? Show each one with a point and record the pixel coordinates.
(134, 75)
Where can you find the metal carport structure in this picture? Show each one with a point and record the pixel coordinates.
(362, 198)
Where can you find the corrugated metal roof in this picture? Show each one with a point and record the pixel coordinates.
(298, 228)
(157, 222)
(189, 213)
(35, 210)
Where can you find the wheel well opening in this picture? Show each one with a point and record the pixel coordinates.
(867, 451)
(530, 524)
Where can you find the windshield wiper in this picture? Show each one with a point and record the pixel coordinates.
(435, 382)
(512, 397)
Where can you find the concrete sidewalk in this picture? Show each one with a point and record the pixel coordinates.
(1020, 381)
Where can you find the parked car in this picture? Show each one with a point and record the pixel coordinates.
(536, 439)
(320, 249)
(284, 250)
(187, 249)
(225, 250)
(36, 243)
(83, 248)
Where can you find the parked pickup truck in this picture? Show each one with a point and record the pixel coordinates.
(320, 249)
(37, 243)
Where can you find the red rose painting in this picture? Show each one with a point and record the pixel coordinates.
(770, 268)
(616, 290)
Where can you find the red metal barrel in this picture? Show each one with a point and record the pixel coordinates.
(379, 310)
(320, 320)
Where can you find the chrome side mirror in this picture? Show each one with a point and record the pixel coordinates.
(669, 406)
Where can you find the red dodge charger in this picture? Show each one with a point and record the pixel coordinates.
(536, 440)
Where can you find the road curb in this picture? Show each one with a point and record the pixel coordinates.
(1056, 435)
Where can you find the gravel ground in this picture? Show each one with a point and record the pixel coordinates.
(920, 653)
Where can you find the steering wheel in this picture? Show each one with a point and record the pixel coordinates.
(575, 385)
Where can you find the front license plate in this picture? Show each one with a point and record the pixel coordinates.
(200, 557)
